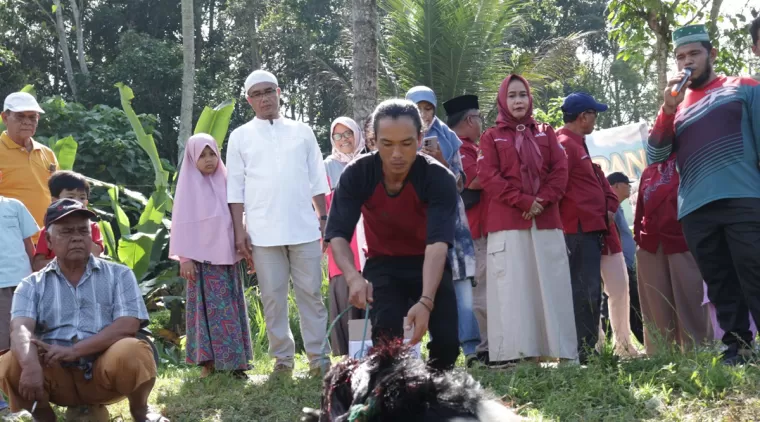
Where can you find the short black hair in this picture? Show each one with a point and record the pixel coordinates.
(569, 118)
(67, 180)
(453, 120)
(754, 29)
(395, 109)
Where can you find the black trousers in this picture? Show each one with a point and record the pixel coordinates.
(585, 253)
(396, 286)
(637, 326)
(724, 237)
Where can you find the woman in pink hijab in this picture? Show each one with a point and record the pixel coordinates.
(218, 336)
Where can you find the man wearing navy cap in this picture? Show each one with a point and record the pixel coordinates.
(587, 210)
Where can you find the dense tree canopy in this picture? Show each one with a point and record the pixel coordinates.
(457, 46)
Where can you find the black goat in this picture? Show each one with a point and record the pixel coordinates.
(392, 385)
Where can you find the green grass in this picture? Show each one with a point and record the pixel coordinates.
(668, 387)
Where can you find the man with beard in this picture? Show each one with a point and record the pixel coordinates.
(712, 126)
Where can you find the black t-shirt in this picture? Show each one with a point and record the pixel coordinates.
(422, 213)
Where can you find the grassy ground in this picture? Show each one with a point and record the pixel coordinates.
(668, 387)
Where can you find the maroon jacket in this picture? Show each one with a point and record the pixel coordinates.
(586, 201)
(476, 215)
(656, 220)
(499, 173)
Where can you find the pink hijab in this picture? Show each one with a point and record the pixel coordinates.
(201, 221)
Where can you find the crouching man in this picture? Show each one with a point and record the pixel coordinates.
(409, 204)
(73, 327)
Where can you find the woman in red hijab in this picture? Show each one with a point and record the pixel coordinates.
(524, 171)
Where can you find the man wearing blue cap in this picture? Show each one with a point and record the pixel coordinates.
(712, 126)
(587, 209)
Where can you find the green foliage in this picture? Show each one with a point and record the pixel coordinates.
(216, 121)
(65, 151)
(452, 46)
(101, 132)
(553, 114)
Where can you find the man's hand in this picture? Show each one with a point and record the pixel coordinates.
(54, 354)
(418, 317)
(610, 217)
(671, 103)
(187, 271)
(322, 226)
(359, 292)
(243, 245)
(30, 385)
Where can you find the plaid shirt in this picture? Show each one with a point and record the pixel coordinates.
(65, 314)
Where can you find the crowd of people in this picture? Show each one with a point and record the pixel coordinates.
(509, 243)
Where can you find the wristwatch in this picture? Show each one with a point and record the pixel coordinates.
(323, 218)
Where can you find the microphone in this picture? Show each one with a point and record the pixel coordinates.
(677, 89)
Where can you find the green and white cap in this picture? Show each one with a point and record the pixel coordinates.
(689, 34)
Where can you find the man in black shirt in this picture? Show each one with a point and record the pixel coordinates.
(409, 204)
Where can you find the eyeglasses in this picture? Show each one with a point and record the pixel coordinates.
(258, 95)
(27, 119)
(478, 116)
(345, 135)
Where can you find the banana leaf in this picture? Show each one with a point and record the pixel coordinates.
(135, 250)
(121, 217)
(65, 151)
(143, 139)
(216, 121)
(109, 240)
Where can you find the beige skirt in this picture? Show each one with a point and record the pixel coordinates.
(530, 301)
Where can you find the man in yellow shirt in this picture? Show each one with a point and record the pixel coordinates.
(25, 165)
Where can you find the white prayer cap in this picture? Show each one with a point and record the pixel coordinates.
(257, 77)
(21, 101)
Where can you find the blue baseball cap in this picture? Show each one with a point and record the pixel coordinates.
(578, 102)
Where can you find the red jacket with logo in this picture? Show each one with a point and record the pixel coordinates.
(476, 215)
(588, 197)
(499, 173)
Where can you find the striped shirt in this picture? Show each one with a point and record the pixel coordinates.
(715, 134)
(65, 314)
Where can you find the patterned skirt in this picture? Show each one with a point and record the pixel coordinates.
(218, 330)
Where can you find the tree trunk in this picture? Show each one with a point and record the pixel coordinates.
(661, 28)
(712, 24)
(80, 37)
(365, 30)
(60, 28)
(198, 22)
(188, 78)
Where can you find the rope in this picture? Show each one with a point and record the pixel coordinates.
(332, 326)
(358, 412)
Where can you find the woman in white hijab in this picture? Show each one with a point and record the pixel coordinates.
(347, 142)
